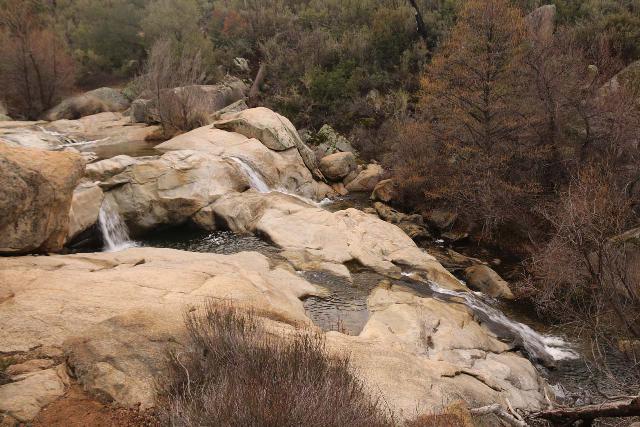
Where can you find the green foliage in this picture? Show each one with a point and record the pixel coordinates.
(105, 35)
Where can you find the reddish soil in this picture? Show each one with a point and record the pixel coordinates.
(77, 409)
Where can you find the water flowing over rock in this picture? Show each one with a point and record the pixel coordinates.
(273, 130)
(422, 353)
(170, 189)
(283, 170)
(85, 208)
(123, 310)
(331, 237)
(115, 234)
(99, 131)
(36, 189)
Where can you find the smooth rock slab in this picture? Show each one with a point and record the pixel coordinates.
(24, 398)
(51, 298)
(332, 237)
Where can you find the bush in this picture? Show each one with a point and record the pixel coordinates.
(234, 372)
(169, 80)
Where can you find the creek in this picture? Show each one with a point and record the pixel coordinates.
(343, 307)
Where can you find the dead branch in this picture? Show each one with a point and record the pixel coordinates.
(255, 87)
(498, 411)
(619, 408)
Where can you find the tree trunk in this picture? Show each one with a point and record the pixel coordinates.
(620, 408)
(422, 28)
(255, 87)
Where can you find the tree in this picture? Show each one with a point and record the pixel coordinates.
(474, 117)
(105, 35)
(177, 21)
(36, 70)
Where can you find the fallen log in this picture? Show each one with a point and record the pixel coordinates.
(629, 407)
(500, 412)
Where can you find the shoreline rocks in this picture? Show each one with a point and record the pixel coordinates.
(116, 315)
(36, 189)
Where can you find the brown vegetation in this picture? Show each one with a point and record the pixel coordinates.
(36, 69)
(167, 79)
(235, 372)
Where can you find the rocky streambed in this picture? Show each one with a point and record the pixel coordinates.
(237, 211)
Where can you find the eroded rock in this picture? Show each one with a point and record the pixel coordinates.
(334, 237)
(337, 166)
(273, 130)
(93, 102)
(367, 179)
(85, 208)
(36, 189)
(484, 279)
(25, 397)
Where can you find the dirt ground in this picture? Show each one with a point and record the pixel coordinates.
(77, 409)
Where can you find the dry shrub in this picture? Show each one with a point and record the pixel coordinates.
(586, 274)
(233, 372)
(170, 79)
(36, 69)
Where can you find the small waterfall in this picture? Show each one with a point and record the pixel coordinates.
(259, 184)
(543, 348)
(115, 234)
(255, 179)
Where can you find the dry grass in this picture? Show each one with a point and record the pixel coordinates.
(233, 372)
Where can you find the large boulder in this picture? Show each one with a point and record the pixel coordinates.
(23, 398)
(170, 189)
(385, 191)
(273, 130)
(628, 78)
(105, 169)
(96, 101)
(117, 314)
(418, 352)
(541, 23)
(85, 208)
(331, 237)
(413, 225)
(484, 279)
(36, 188)
(329, 141)
(337, 166)
(143, 111)
(108, 132)
(208, 99)
(367, 179)
(280, 170)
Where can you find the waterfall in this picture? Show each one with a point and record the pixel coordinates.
(255, 179)
(115, 234)
(543, 348)
(259, 184)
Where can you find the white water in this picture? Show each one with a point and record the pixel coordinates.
(115, 234)
(255, 179)
(537, 345)
(260, 185)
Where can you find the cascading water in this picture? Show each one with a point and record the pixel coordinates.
(259, 184)
(254, 177)
(543, 348)
(115, 234)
